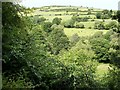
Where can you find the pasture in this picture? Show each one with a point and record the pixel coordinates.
(82, 32)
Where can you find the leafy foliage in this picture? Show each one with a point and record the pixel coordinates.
(14, 42)
(46, 26)
(79, 25)
(56, 21)
(99, 25)
(101, 47)
(118, 15)
(98, 15)
(57, 39)
(37, 53)
(111, 25)
(69, 24)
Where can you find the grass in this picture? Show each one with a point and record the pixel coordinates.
(65, 17)
(88, 24)
(81, 32)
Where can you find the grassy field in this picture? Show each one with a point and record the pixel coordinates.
(81, 32)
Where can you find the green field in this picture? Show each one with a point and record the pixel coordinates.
(81, 32)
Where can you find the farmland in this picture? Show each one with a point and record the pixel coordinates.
(50, 12)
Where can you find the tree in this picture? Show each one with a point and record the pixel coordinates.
(40, 20)
(115, 56)
(111, 11)
(98, 15)
(81, 69)
(46, 26)
(111, 25)
(85, 19)
(105, 11)
(69, 24)
(74, 39)
(118, 15)
(105, 16)
(14, 42)
(98, 34)
(99, 25)
(108, 35)
(101, 47)
(57, 39)
(114, 17)
(75, 18)
(89, 11)
(56, 21)
(79, 25)
(113, 75)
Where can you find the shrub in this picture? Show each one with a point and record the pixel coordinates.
(74, 39)
(56, 21)
(42, 19)
(99, 25)
(110, 25)
(46, 26)
(69, 24)
(85, 19)
(89, 27)
(92, 20)
(101, 47)
(98, 15)
(105, 16)
(57, 39)
(98, 34)
(79, 25)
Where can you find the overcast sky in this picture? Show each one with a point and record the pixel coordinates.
(104, 4)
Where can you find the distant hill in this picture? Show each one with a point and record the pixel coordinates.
(67, 8)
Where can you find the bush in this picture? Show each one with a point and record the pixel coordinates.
(113, 78)
(110, 25)
(101, 47)
(89, 27)
(56, 21)
(108, 35)
(79, 25)
(92, 20)
(80, 19)
(74, 39)
(57, 39)
(42, 19)
(99, 25)
(81, 69)
(69, 24)
(105, 16)
(89, 12)
(85, 19)
(98, 15)
(98, 34)
(46, 26)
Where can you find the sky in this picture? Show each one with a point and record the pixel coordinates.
(103, 4)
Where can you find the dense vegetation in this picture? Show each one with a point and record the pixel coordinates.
(38, 54)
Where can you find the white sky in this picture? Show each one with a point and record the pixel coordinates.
(104, 4)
